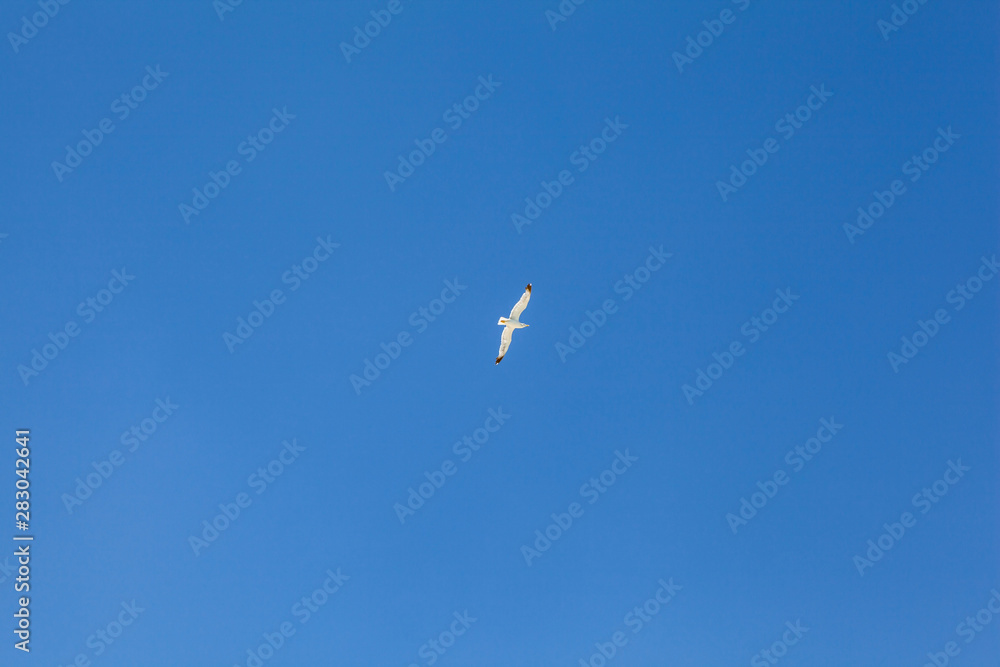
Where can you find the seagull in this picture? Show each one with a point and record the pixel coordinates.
(512, 322)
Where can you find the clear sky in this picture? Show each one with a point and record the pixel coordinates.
(214, 219)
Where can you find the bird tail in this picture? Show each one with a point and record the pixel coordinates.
(503, 320)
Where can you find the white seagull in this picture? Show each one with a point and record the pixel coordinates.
(512, 322)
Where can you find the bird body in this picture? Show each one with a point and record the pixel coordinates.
(507, 322)
(513, 322)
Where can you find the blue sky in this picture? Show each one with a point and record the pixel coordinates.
(245, 254)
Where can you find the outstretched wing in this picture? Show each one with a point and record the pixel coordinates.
(504, 342)
(521, 304)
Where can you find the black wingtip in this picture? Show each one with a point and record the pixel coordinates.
(498, 360)
(528, 288)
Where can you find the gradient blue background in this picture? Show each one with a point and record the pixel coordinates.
(162, 337)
